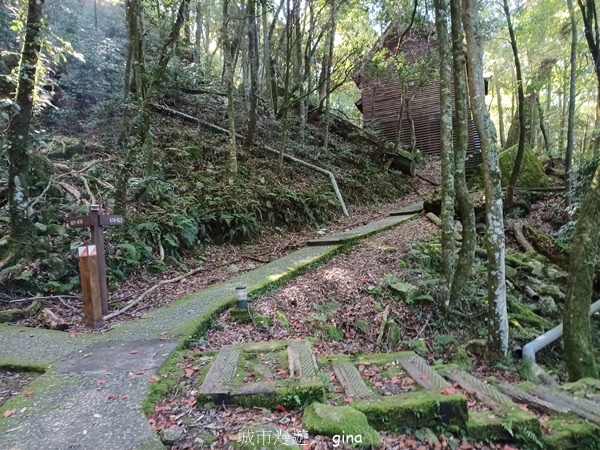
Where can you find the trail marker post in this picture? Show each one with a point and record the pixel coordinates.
(90, 286)
(96, 221)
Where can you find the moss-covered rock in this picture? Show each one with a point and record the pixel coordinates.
(414, 410)
(404, 290)
(532, 173)
(418, 345)
(461, 359)
(567, 432)
(240, 315)
(265, 437)
(340, 422)
(513, 425)
(263, 321)
(393, 333)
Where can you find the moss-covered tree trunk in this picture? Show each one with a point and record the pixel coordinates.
(512, 183)
(253, 56)
(572, 93)
(228, 69)
(21, 228)
(447, 215)
(461, 141)
(577, 329)
(498, 318)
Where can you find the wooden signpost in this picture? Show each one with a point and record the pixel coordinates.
(96, 222)
(90, 286)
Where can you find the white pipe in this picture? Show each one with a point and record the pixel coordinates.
(329, 174)
(531, 348)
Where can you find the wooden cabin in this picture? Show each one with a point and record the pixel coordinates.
(383, 98)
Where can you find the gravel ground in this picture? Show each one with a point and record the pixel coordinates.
(11, 383)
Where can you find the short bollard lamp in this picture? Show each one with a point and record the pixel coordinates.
(242, 297)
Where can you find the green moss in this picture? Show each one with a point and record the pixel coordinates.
(333, 333)
(532, 173)
(414, 410)
(418, 345)
(514, 425)
(340, 421)
(567, 432)
(393, 333)
(362, 325)
(263, 321)
(288, 393)
(240, 315)
(282, 319)
(169, 375)
(526, 317)
(461, 359)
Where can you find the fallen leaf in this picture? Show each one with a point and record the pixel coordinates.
(125, 397)
(189, 372)
(361, 367)
(133, 352)
(523, 406)
(113, 396)
(395, 380)
(72, 335)
(140, 372)
(424, 377)
(348, 400)
(234, 437)
(281, 408)
(28, 393)
(307, 446)
(378, 384)
(153, 378)
(101, 382)
(9, 413)
(409, 381)
(448, 391)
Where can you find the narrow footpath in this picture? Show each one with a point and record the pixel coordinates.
(91, 393)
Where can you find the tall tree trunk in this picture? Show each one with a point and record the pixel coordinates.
(498, 318)
(198, 34)
(563, 112)
(267, 60)
(22, 232)
(286, 86)
(512, 183)
(298, 66)
(579, 352)
(461, 141)
(500, 108)
(540, 112)
(254, 81)
(328, 74)
(228, 68)
(146, 94)
(447, 214)
(125, 116)
(586, 238)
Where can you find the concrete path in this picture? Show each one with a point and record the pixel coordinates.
(91, 394)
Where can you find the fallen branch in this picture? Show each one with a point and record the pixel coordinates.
(38, 198)
(437, 221)
(49, 297)
(427, 180)
(143, 295)
(521, 239)
(91, 196)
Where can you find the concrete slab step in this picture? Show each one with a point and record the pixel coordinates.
(422, 373)
(410, 209)
(583, 408)
(522, 396)
(484, 392)
(352, 381)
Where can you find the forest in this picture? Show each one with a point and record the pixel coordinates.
(306, 224)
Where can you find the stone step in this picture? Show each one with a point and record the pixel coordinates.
(302, 362)
(422, 373)
(484, 392)
(220, 384)
(222, 371)
(522, 396)
(410, 209)
(351, 379)
(581, 407)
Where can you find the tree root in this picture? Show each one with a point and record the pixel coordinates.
(521, 239)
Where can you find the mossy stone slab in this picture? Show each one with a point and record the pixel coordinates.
(410, 209)
(491, 426)
(341, 421)
(568, 432)
(301, 387)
